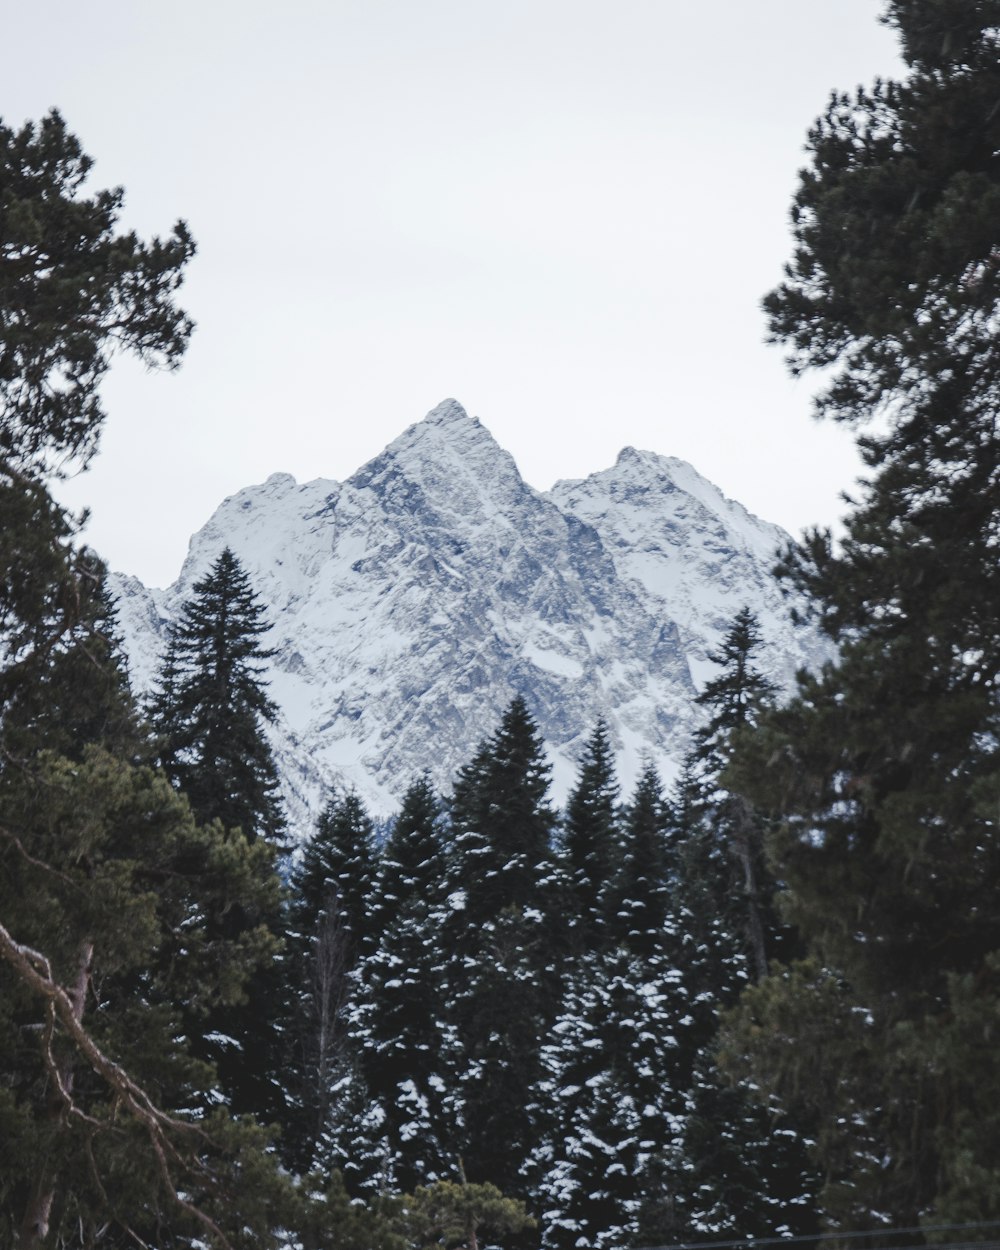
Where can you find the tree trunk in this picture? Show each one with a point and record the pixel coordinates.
(743, 848)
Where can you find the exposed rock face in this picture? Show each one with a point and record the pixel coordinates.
(411, 602)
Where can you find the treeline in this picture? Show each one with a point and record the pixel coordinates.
(503, 995)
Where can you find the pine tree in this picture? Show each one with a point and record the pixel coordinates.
(498, 975)
(72, 291)
(639, 900)
(609, 1104)
(393, 1096)
(328, 922)
(884, 769)
(208, 714)
(211, 707)
(734, 700)
(108, 889)
(590, 840)
(104, 872)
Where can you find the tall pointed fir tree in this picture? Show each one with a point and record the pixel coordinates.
(329, 922)
(397, 1019)
(590, 842)
(610, 1102)
(497, 977)
(734, 699)
(884, 770)
(212, 705)
(209, 713)
(740, 1168)
(638, 900)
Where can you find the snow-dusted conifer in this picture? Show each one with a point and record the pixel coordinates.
(328, 911)
(590, 841)
(639, 897)
(397, 1028)
(494, 933)
(609, 1106)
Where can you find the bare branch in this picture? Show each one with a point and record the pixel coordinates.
(34, 971)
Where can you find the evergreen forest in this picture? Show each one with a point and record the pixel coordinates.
(759, 1002)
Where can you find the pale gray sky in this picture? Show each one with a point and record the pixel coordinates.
(561, 212)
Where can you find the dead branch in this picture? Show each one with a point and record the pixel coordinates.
(34, 970)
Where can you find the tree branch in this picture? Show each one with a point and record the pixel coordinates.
(34, 970)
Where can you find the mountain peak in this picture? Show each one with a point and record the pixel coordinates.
(447, 412)
(410, 602)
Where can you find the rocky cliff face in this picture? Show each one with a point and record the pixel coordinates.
(411, 602)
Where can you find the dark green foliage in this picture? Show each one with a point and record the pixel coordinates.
(590, 840)
(326, 1218)
(884, 769)
(114, 943)
(497, 1012)
(610, 1100)
(502, 796)
(640, 900)
(734, 700)
(209, 714)
(495, 931)
(894, 273)
(210, 708)
(337, 870)
(104, 872)
(400, 1012)
(72, 291)
(80, 694)
(744, 1167)
(328, 918)
(390, 1129)
(453, 1216)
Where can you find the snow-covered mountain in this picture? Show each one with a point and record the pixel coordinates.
(411, 602)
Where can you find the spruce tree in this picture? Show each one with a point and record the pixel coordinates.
(736, 1168)
(388, 1128)
(639, 900)
(338, 861)
(499, 972)
(503, 796)
(590, 840)
(734, 699)
(328, 921)
(212, 705)
(609, 1105)
(209, 714)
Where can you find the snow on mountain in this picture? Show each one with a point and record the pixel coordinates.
(698, 556)
(411, 602)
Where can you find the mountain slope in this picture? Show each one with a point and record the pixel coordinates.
(411, 602)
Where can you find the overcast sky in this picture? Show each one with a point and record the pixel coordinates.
(563, 213)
